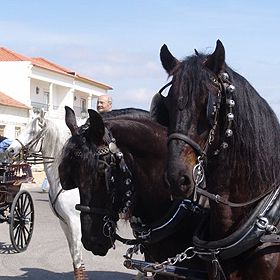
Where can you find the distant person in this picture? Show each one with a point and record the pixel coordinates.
(45, 185)
(104, 104)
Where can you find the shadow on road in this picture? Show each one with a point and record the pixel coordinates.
(35, 274)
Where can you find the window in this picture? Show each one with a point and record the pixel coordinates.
(83, 108)
(46, 100)
(83, 105)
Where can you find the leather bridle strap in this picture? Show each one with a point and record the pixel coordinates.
(95, 210)
(219, 199)
(186, 139)
(164, 87)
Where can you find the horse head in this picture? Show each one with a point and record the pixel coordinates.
(115, 174)
(30, 140)
(192, 104)
(86, 163)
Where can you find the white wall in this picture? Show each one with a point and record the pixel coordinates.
(14, 80)
(11, 117)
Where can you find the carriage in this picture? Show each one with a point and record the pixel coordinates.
(16, 205)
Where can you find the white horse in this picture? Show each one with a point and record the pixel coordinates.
(43, 136)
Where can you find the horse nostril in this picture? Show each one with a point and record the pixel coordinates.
(184, 182)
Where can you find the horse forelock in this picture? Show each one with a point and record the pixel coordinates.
(187, 88)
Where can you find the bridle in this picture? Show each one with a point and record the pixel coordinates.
(35, 157)
(225, 92)
(111, 159)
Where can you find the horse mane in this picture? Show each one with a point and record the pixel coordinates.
(54, 139)
(135, 112)
(254, 151)
(139, 128)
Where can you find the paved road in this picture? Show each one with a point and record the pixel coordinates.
(47, 256)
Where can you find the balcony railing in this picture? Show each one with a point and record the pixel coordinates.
(58, 111)
(38, 106)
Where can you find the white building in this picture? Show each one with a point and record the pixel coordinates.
(29, 84)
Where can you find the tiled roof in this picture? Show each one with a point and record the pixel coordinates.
(9, 101)
(8, 55)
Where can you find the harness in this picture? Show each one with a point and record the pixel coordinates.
(110, 156)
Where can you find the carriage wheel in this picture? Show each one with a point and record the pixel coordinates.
(21, 220)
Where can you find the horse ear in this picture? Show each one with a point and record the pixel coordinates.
(168, 61)
(70, 119)
(216, 61)
(97, 127)
(158, 110)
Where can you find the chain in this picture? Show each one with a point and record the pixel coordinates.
(188, 254)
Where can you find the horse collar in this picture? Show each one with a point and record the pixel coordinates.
(259, 227)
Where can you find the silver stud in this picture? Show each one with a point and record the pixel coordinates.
(230, 102)
(119, 155)
(229, 132)
(127, 181)
(128, 203)
(231, 88)
(224, 76)
(230, 116)
(224, 145)
(112, 179)
(113, 148)
(128, 193)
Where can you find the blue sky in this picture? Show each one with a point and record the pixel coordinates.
(117, 42)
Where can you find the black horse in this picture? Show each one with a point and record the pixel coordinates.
(223, 143)
(118, 165)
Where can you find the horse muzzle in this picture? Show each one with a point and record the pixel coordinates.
(179, 179)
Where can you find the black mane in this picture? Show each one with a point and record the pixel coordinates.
(135, 112)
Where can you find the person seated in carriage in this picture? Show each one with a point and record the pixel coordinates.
(4, 144)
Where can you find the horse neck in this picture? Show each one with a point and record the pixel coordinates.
(145, 152)
(51, 146)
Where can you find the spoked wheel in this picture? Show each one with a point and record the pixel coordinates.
(21, 220)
